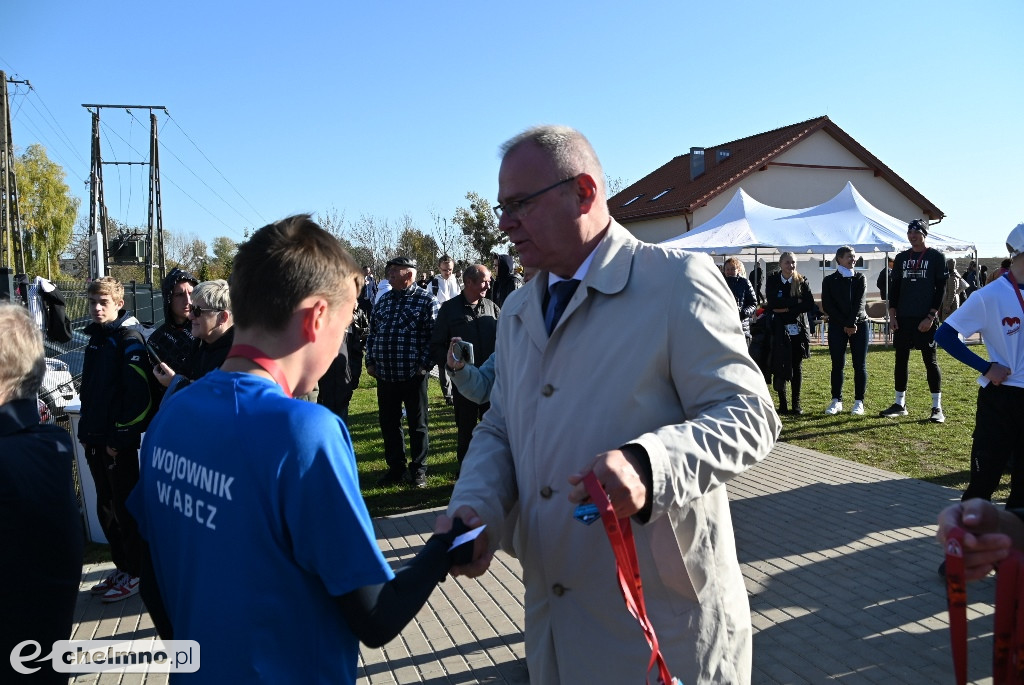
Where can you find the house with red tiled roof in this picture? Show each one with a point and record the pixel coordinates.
(796, 166)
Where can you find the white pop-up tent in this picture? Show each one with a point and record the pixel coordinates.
(748, 227)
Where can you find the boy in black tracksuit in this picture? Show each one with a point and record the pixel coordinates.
(116, 407)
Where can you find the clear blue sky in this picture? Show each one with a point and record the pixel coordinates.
(386, 108)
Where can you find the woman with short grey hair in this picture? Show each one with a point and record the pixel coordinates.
(213, 326)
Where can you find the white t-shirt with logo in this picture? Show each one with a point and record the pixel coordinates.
(996, 313)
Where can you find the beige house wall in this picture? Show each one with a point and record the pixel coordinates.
(794, 188)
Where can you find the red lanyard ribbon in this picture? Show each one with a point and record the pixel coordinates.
(1008, 650)
(1016, 289)
(620, 533)
(257, 357)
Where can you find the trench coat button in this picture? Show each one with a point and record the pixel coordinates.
(558, 589)
(548, 390)
(546, 491)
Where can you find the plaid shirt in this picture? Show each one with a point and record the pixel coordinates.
(400, 326)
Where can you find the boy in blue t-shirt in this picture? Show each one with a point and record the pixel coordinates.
(261, 546)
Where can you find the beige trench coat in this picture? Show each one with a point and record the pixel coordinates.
(649, 352)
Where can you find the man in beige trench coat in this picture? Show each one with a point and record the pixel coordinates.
(644, 380)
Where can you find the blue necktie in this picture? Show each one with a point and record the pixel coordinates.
(561, 292)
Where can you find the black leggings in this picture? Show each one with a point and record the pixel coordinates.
(931, 367)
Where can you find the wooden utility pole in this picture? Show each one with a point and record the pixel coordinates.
(12, 245)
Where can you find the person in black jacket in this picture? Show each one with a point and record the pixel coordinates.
(506, 280)
(173, 340)
(40, 526)
(341, 379)
(844, 301)
(882, 282)
(743, 291)
(789, 298)
(472, 317)
(213, 326)
(116, 408)
(915, 296)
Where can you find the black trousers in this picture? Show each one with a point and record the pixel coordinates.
(998, 440)
(115, 477)
(837, 341)
(391, 396)
(467, 415)
(906, 338)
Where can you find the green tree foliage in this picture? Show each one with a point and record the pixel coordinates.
(48, 210)
(420, 246)
(479, 225)
(224, 250)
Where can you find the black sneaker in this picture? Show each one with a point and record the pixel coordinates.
(942, 570)
(894, 410)
(415, 480)
(937, 415)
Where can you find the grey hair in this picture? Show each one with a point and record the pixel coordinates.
(568, 149)
(216, 294)
(22, 361)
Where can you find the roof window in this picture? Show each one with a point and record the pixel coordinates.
(662, 193)
(633, 200)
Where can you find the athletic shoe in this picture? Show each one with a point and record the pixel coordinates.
(834, 408)
(416, 480)
(125, 588)
(104, 585)
(858, 408)
(937, 415)
(894, 410)
(942, 570)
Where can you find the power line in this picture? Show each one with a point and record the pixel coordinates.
(67, 138)
(210, 188)
(164, 176)
(52, 150)
(214, 167)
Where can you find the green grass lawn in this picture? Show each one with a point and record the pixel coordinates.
(910, 445)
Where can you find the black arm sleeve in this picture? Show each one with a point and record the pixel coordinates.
(377, 613)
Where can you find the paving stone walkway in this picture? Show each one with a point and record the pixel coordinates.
(840, 563)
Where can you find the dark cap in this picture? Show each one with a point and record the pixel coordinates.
(404, 262)
(918, 225)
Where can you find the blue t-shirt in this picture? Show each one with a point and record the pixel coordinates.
(251, 505)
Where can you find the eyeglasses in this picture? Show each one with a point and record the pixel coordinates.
(514, 207)
(198, 311)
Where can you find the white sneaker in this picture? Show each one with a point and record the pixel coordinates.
(834, 408)
(125, 587)
(858, 408)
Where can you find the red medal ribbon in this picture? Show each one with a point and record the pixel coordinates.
(620, 533)
(257, 357)
(1008, 650)
(956, 599)
(1013, 284)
